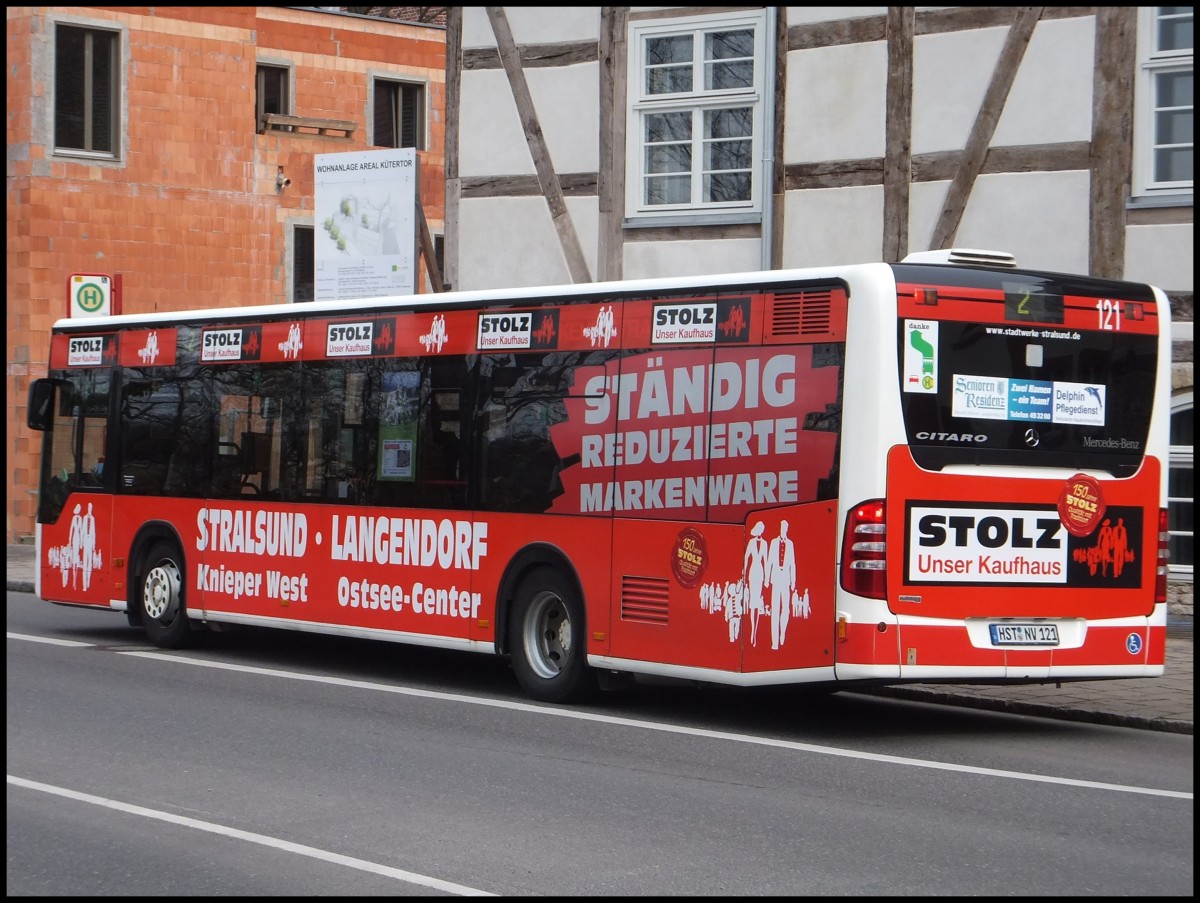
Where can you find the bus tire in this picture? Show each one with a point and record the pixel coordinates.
(161, 599)
(548, 639)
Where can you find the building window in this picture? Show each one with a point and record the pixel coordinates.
(303, 273)
(697, 97)
(1163, 139)
(86, 91)
(398, 115)
(272, 93)
(1180, 489)
(438, 263)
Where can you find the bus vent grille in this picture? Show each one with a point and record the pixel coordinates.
(802, 314)
(644, 599)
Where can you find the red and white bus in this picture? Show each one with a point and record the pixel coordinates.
(946, 469)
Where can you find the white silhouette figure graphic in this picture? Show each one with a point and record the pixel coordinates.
(90, 556)
(801, 607)
(294, 344)
(437, 335)
(733, 609)
(149, 352)
(768, 571)
(78, 555)
(605, 329)
(754, 572)
(781, 578)
(74, 546)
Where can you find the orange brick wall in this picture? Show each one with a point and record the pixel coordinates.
(190, 216)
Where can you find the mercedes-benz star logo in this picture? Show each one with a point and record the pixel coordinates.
(1032, 438)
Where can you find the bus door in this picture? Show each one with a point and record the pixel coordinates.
(75, 512)
(673, 572)
(727, 462)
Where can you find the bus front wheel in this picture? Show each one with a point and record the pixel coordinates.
(161, 597)
(547, 639)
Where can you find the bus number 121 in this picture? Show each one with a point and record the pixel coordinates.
(1110, 313)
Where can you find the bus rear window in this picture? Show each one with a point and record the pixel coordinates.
(1025, 394)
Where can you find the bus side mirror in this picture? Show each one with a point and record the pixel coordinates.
(41, 404)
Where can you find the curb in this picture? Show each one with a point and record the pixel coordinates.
(1061, 713)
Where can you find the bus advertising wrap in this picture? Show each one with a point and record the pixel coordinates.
(703, 435)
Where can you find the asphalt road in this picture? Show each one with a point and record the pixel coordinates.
(278, 763)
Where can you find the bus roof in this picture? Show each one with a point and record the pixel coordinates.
(959, 259)
(469, 298)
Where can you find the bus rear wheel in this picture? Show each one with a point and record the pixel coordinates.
(547, 639)
(161, 597)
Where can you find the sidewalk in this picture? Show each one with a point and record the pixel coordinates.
(1162, 704)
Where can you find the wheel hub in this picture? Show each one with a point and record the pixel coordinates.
(161, 591)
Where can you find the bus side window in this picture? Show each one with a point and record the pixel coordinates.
(521, 465)
(437, 479)
(143, 465)
(439, 453)
(255, 462)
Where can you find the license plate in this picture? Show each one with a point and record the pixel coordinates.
(1024, 634)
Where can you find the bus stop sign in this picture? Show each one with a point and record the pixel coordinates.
(89, 295)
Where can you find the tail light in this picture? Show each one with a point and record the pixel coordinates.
(1164, 557)
(864, 562)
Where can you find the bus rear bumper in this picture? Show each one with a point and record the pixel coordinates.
(1005, 649)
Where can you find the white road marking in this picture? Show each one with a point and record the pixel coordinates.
(287, 846)
(50, 641)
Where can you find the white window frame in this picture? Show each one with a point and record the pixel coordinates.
(698, 100)
(1181, 457)
(1151, 64)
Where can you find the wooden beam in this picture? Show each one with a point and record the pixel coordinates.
(427, 249)
(610, 255)
(775, 228)
(450, 235)
(278, 122)
(897, 154)
(1112, 138)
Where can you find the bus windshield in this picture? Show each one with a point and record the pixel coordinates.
(1042, 372)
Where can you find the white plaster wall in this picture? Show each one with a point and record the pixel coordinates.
(494, 253)
(1040, 218)
(533, 25)
(492, 141)
(654, 259)
(832, 226)
(1161, 255)
(567, 103)
(566, 100)
(836, 103)
(511, 242)
(925, 200)
(951, 73)
(807, 15)
(476, 28)
(1051, 96)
